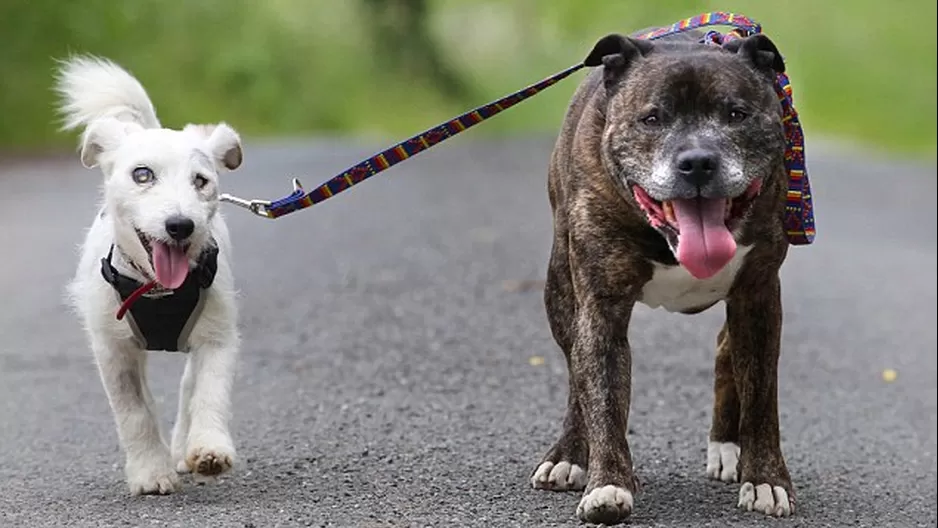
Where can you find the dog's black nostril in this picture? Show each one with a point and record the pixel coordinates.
(179, 227)
(697, 165)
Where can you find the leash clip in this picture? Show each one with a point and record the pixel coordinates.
(267, 208)
(258, 207)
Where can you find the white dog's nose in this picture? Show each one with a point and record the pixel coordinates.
(179, 228)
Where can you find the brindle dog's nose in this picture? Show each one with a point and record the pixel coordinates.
(179, 228)
(697, 166)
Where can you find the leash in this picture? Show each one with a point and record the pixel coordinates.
(799, 209)
(299, 199)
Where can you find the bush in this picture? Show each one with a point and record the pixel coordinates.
(394, 67)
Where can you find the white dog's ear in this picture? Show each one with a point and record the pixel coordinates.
(101, 136)
(226, 146)
(223, 143)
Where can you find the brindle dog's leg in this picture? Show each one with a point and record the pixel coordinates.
(754, 323)
(607, 283)
(723, 447)
(564, 466)
(590, 322)
(601, 362)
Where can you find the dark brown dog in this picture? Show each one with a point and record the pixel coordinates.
(667, 186)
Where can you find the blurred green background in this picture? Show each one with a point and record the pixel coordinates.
(862, 71)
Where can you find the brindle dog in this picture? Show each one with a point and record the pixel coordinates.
(667, 185)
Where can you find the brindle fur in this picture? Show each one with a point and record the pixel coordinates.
(604, 251)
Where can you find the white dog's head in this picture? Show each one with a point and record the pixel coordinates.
(161, 189)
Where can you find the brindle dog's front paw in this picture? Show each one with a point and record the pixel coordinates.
(771, 500)
(562, 476)
(605, 505)
(766, 485)
(563, 468)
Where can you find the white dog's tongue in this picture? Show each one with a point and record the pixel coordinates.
(170, 264)
(704, 244)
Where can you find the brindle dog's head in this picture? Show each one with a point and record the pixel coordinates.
(692, 133)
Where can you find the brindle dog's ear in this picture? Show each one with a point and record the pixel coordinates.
(615, 53)
(759, 50)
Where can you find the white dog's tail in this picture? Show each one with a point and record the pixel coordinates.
(92, 88)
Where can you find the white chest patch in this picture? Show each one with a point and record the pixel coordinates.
(676, 290)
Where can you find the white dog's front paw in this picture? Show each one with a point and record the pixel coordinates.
(562, 476)
(722, 461)
(605, 505)
(151, 475)
(210, 455)
(766, 499)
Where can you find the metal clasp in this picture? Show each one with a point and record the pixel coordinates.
(258, 207)
(262, 207)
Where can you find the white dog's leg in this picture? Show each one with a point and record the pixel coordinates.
(148, 464)
(183, 418)
(147, 395)
(210, 450)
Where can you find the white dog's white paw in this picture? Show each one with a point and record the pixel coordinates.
(605, 505)
(722, 461)
(151, 475)
(766, 499)
(562, 476)
(210, 455)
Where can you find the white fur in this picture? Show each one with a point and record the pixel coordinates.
(661, 177)
(562, 476)
(675, 289)
(722, 461)
(764, 498)
(121, 132)
(608, 504)
(93, 88)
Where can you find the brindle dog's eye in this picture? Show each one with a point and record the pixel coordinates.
(142, 175)
(200, 181)
(651, 120)
(737, 116)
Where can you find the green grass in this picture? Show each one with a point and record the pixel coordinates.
(861, 71)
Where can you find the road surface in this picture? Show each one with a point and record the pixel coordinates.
(398, 369)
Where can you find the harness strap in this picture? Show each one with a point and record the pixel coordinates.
(799, 215)
(162, 319)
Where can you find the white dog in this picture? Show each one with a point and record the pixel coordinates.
(159, 229)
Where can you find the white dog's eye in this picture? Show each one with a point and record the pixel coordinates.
(142, 175)
(200, 181)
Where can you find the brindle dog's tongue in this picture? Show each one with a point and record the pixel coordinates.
(170, 264)
(704, 244)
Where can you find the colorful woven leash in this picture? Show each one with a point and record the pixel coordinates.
(299, 199)
(799, 213)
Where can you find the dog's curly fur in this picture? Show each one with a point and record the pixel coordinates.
(121, 134)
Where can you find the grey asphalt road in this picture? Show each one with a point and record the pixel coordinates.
(387, 375)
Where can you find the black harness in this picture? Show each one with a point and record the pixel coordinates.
(162, 319)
